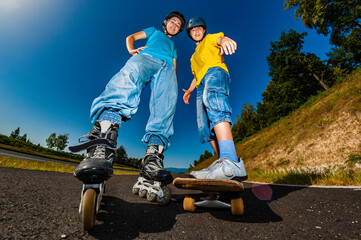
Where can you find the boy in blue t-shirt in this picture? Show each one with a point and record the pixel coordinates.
(154, 65)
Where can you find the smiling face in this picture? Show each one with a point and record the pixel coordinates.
(197, 33)
(173, 25)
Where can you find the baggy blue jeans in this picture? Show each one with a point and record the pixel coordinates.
(213, 102)
(122, 95)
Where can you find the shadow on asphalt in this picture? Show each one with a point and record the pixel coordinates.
(120, 218)
(256, 211)
(128, 219)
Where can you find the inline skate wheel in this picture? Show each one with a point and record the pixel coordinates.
(151, 197)
(167, 193)
(135, 191)
(142, 193)
(88, 209)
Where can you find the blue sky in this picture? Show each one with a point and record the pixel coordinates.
(57, 56)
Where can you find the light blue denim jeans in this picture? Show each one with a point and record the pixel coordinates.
(122, 95)
(213, 102)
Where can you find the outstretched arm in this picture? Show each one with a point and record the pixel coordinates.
(228, 46)
(187, 93)
(130, 42)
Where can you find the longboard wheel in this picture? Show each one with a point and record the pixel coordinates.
(142, 193)
(151, 197)
(135, 191)
(167, 194)
(88, 209)
(237, 206)
(188, 204)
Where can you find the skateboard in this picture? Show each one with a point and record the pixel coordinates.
(219, 193)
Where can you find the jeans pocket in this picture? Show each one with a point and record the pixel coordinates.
(218, 100)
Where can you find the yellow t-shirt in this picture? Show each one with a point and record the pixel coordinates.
(207, 55)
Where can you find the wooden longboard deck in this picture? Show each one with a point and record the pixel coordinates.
(213, 185)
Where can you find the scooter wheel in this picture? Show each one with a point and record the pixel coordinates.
(88, 209)
(167, 194)
(237, 206)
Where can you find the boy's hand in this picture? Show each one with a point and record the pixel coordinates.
(136, 51)
(228, 46)
(186, 96)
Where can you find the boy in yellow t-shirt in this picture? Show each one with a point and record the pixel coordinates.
(211, 77)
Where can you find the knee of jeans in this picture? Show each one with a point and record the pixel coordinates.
(217, 99)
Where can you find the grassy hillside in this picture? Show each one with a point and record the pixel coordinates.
(318, 138)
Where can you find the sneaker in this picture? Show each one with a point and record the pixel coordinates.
(223, 168)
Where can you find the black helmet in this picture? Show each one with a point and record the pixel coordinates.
(178, 15)
(195, 22)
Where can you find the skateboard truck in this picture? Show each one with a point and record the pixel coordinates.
(213, 188)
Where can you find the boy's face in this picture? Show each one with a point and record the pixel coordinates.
(197, 33)
(173, 25)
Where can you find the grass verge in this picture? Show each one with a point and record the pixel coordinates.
(341, 177)
(46, 166)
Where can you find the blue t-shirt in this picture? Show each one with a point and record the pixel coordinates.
(160, 45)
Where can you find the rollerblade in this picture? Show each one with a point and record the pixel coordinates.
(97, 166)
(153, 177)
(95, 169)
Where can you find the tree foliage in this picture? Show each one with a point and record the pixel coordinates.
(295, 77)
(50, 141)
(16, 134)
(60, 142)
(246, 124)
(121, 157)
(340, 19)
(298, 75)
(202, 157)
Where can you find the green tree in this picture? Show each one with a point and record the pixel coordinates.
(190, 166)
(338, 18)
(246, 124)
(15, 134)
(343, 62)
(121, 155)
(23, 138)
(61, 142)
(207, 154)
(295, 77)
(50, 141)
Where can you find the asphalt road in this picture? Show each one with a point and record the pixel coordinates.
(44, 205)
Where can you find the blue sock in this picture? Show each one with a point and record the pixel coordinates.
(227, 150)
(110, 116)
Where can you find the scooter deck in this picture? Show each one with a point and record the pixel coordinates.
(210, 185)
